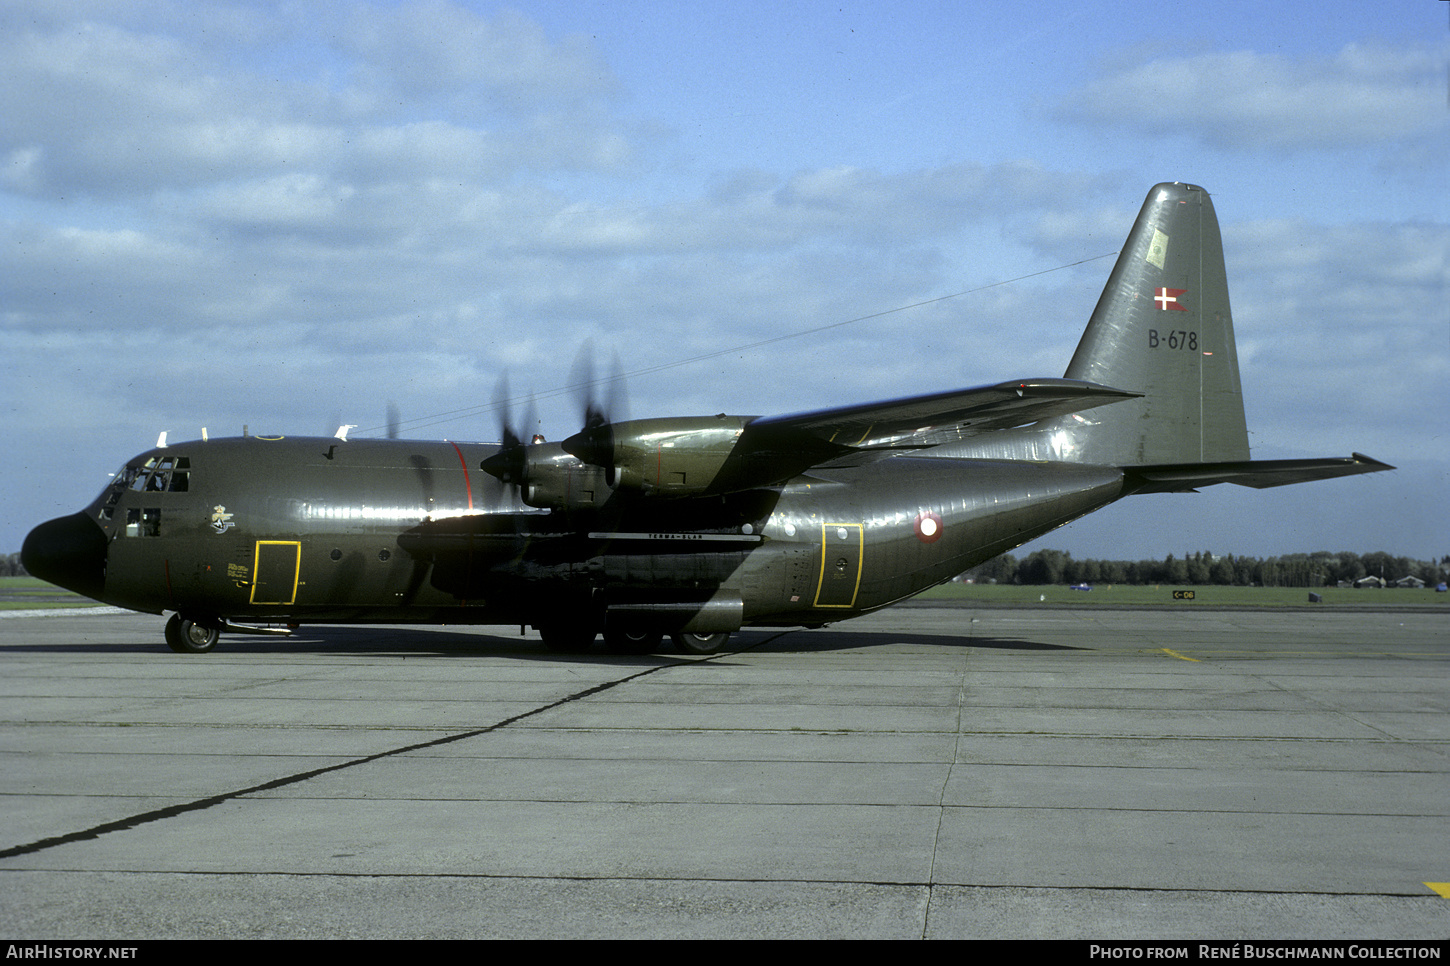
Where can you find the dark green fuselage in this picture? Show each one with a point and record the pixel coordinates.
(305, 530)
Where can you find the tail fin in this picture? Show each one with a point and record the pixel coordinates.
(1163, 328)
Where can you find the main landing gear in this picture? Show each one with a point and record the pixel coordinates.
(632, 641)
(571, 638)
(700, 643)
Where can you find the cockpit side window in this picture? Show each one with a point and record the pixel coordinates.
(143, 522)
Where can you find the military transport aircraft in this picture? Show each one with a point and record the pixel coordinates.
(692, 527)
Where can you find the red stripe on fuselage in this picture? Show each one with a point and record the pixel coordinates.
(467, 483)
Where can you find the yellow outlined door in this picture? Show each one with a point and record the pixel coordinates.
(275, 572)
(842, 546)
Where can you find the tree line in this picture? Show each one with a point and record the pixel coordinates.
(1204, 569)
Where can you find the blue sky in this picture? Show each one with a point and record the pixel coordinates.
(291, 215)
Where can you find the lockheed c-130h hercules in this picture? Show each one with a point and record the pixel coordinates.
(691, 527)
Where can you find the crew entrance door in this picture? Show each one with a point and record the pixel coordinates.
(275, 571)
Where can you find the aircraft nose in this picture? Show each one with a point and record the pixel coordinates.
(69, 552)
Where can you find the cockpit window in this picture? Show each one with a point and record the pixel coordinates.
(155, 475)
(159, 474)
(136, 476)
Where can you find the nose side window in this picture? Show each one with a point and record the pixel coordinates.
(143, 522)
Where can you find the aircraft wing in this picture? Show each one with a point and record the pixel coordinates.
(1260, 474)
(772, 449)
(897, 421)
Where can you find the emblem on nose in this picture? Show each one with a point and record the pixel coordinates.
(221, 520)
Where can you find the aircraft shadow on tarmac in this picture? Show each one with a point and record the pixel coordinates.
(425, 641)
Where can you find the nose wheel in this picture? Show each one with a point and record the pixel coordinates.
(186, 636)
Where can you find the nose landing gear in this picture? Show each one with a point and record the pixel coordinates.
(187, 636)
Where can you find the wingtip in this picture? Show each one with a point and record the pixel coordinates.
(1371, 461)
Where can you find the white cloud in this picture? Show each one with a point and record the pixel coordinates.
(1355, 276)
(434, 51)
(1347, 326)
(1364, 95)
(413, 89)
(287, 199)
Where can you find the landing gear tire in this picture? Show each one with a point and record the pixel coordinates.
(567, 638)
(632, 641)
(700, 643)
(190, 637)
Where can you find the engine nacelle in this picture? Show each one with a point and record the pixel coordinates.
(673, 457)
(658, 458)
(555, 480)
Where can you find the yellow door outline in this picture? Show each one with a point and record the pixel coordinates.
(835, 541)
(273, 591)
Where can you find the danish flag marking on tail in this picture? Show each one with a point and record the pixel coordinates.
(1167, 298)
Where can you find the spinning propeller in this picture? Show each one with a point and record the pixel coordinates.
(594, 444)
(511, 463)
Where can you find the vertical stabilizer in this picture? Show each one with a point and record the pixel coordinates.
(1163, 328)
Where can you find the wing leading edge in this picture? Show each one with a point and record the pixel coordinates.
(773, 449)
(898, 422)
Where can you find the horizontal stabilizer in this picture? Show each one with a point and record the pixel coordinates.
(1260, 474)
